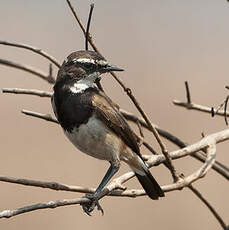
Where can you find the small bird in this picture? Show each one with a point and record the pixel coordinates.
(94, 124)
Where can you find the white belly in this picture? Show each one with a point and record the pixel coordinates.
(96, 140)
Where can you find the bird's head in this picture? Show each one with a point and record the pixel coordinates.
(85, 65)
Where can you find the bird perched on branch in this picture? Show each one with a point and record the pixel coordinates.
(93, 123)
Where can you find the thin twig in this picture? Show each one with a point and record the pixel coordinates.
(225, 110)
(43, 184)
(188, 95)
(35, 92)
(214, 111)
(81, 25)
(198, 107)
(141, 133)
(88, 26)
(202, 108)
(50, 204)
(210, 207)
(34, 49)
(28, 69)
(46, 117)
(218, 167)
(97, 82)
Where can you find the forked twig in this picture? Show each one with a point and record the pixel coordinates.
(192, 106)
(34, 49)
(88, 26)
(81, 25)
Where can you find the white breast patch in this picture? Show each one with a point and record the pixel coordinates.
(79, 87)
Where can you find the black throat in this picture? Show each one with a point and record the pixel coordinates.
(72, 109)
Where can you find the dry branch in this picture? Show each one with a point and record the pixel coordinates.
(199, 107)
(46, 117)
(219, 167)
(35, 92)
(208, 142)
(28, 69)
(192, 106)
(34, 49)
(217, 216)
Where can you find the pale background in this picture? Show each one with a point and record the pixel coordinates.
(160, 44)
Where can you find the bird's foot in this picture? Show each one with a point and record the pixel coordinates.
(90, 206)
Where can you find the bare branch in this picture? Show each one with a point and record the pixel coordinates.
(88, 26)
(202, 108)
(28, 69)
(81, 26)
(207, 142)
(188, 95)
(210, 207)
(50, 204)
(219, 167)
(43, 184)
(34, 49)
(117, 183)
(76, 17)
(46, 117)
(198, 107)
(35, 92)
(225, 110)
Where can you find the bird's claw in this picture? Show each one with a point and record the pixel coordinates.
(90, 206)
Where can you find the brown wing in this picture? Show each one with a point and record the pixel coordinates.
(109, 113)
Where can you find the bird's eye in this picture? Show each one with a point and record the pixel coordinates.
(88, 66)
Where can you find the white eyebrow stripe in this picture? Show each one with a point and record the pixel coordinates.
(84, 60)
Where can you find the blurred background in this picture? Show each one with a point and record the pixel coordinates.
(160, 44)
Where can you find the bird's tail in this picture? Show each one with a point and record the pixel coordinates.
(150, 185)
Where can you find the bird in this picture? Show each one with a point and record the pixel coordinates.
(94, 124)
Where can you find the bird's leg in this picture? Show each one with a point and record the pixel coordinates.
(89, 207)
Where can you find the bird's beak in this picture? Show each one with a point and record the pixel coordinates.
(110, 68)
